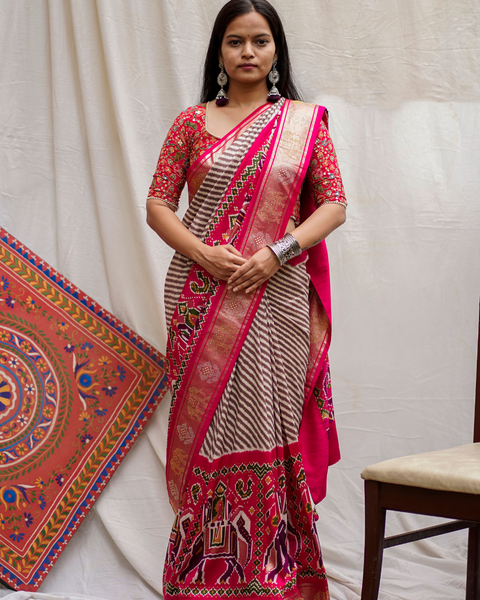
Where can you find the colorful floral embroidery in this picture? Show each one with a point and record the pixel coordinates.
(185, 142)
(64, 415)
(323, 174)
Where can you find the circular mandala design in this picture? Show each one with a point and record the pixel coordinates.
(8, 394)
(29, 393)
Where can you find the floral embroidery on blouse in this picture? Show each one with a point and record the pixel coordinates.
(188, 138)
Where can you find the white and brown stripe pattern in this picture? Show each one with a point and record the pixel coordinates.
(261, 406)
(205, 203)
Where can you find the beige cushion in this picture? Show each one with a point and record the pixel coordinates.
(455, 470)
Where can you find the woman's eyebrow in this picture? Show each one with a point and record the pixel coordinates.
(256, 35)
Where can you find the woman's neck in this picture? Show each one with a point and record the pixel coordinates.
(241, 96)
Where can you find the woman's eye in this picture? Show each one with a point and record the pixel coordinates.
(234, 42)
(262, 42)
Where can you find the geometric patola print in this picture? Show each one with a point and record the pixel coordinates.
(76, 389)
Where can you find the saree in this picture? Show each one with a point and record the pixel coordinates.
(251, 427)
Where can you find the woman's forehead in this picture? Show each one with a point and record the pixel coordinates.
(250, 24)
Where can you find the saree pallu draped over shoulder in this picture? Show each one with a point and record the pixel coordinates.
(242, 191)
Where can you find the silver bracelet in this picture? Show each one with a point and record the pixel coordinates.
(285, 248)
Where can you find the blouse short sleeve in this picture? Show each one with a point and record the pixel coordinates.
(323, 174)
(171, 172)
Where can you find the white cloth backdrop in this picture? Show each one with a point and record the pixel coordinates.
(88, 90)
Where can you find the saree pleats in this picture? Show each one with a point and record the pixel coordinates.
(246, 527)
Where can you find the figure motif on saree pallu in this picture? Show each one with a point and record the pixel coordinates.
(284, 547)
(255, 538)
(177, 536)
(225, 535)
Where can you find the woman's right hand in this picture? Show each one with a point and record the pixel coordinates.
(220, 261)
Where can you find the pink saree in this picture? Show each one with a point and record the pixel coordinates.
(251, 427)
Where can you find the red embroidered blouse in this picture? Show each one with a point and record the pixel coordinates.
(188, 138)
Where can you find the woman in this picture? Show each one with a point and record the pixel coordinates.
(251, 428)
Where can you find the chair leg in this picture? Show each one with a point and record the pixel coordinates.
(473, 564)
(374, 536)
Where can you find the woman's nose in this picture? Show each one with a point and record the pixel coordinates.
(248, 50)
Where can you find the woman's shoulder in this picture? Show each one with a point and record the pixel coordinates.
(191, 116)
(189, 123)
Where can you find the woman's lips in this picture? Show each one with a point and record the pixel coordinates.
(248, 66)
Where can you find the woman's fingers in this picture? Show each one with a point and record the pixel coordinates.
(255, 280)
(254, 286)
(227, 263)
(261, 266)
(222, 261)
(242, 276)
(233, 250)
(236, 277)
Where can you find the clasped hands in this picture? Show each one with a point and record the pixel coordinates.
(227, 263)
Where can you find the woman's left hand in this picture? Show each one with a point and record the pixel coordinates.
(260, 267)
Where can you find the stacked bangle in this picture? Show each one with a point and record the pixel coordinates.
(285, 248)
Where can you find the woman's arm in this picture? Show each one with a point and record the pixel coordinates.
(219, 261)
(168, 182)
(264, 263)
(320, 224)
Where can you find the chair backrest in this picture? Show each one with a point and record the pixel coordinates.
(476, 426)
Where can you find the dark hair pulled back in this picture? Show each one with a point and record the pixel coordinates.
(229, 12)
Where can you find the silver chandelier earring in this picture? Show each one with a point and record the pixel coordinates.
(274, 78)
(222, 80)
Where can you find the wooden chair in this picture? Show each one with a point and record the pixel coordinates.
(445, 483)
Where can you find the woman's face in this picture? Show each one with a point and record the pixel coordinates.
(248, 49)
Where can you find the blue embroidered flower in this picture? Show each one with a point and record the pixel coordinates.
(17, 537)
(110, 390)
(42, 501)
(69, 348)
(86, 346)
(10, 496)
(5, 283)
(85, 380)
(121, 373)
(28, 519)
(10, 302)
(85, 439)
(60, 478)
(100, 412)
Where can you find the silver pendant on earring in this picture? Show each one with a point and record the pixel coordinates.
(222, 80)
(274, 78)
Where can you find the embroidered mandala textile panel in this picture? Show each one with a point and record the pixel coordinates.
(76, 389)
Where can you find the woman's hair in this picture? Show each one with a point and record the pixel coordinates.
(232, 10)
